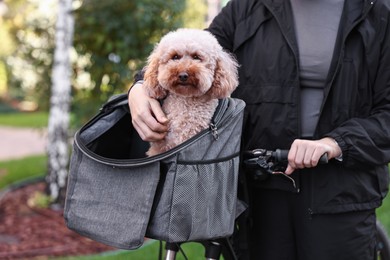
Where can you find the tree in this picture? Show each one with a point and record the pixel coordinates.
(116, 36)
(195, 14)
(111, 41)
(60, 103)
(30, 25)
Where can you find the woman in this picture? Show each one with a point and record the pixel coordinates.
(315, 76)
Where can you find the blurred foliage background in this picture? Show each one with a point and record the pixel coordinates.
(112, 39)
(111, 42)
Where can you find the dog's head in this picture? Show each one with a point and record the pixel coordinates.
(191, 63)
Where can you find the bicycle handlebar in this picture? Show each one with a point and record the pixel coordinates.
(278, 156)
(264, 162)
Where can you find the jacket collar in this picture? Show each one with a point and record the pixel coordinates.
(353, 13)
(282, 11)
(353, 10)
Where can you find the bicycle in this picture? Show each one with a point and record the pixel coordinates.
(260, 163)
(213, 250)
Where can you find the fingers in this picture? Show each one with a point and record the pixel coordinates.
(151, 123)
(306, 154)
(158, 113)
(289, 169)
(149, 129)
(147, 116)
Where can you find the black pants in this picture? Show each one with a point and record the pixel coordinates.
(284, 229)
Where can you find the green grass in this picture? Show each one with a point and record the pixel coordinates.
(383, 212)
(16, 170)
(33, 119)
(149, 250)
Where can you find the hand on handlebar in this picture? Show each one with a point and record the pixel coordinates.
(307, 153)
(147, 116)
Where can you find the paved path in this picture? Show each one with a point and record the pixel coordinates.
(21, 142)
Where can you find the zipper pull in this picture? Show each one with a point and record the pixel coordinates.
(214, 131)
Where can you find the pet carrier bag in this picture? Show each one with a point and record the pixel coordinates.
(118, 196)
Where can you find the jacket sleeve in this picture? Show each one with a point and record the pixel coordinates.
(367, 140)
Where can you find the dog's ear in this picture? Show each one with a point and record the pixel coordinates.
(225, 77)
(151, 83)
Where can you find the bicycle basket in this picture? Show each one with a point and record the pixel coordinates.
(116, 195)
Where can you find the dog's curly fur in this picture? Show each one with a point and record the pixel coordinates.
(190, 71)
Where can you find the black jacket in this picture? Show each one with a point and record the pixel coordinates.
(356, 106)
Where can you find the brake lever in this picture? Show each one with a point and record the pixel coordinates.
(262, 165)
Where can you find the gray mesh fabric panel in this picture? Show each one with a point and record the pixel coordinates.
(203, 204)
(198, 202)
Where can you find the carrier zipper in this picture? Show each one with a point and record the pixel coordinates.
(214, 131)
(217, 117)
(216, 121)
(223, 104)
(196, 162)
(214, 125)
(139, 161)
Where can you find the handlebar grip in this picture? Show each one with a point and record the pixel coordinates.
(324, 159)
(281, 155)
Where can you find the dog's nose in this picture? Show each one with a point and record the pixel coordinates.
(183, 76)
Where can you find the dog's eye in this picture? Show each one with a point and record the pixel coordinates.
(176, 57)
(196, 57)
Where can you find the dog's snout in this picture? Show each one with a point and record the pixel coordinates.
(183, 76)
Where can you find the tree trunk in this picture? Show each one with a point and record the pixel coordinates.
(57, 149)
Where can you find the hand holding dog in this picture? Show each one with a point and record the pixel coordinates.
(147, 116)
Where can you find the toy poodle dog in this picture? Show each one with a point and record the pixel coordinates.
(189, 71)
